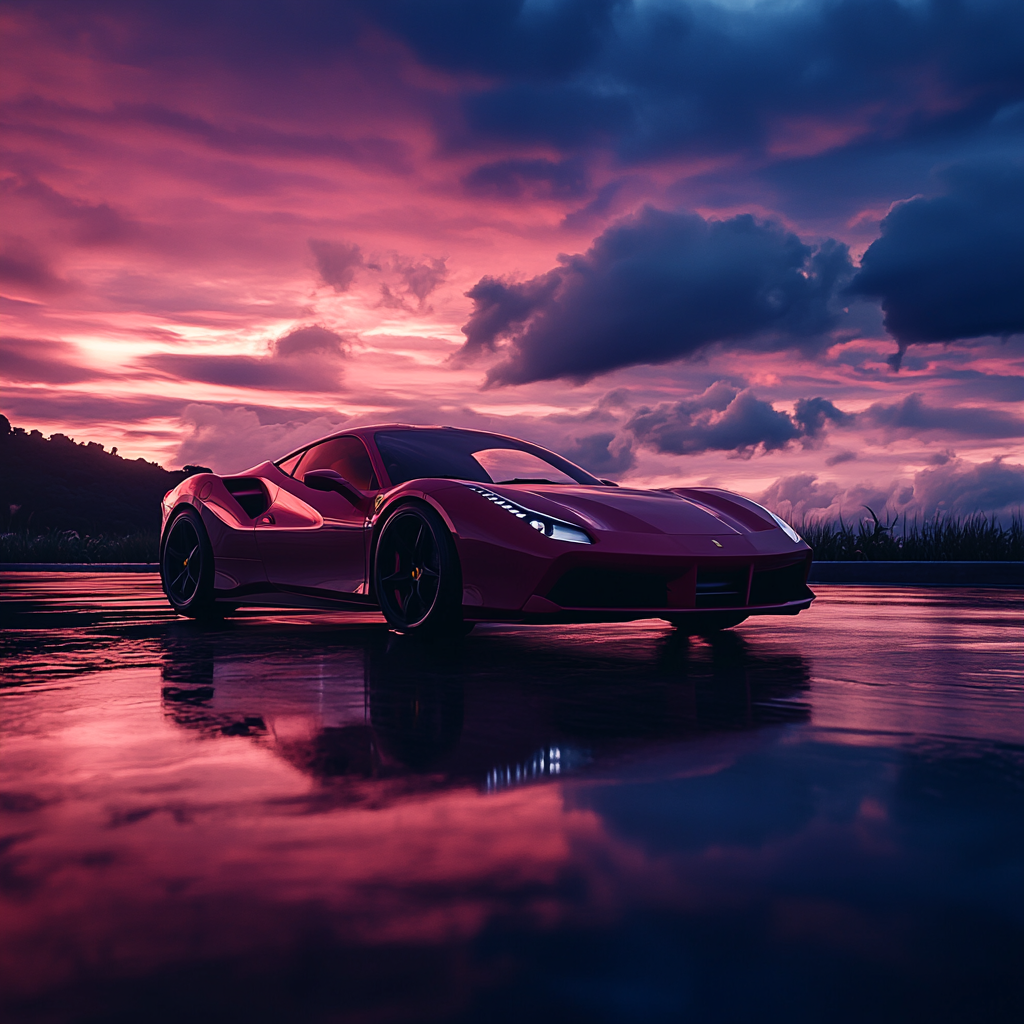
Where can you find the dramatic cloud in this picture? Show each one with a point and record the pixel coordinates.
(306, 359)
(24, 269)
(602, 453)
(811, 414)
(403, 278)
(962, 488)
(311, 340)
(89, 224)
(416, 279)
(231, 439)
(178, 180)
(724, 418)
(957, 486)
(654, 79)
(510, 179)
(952, 267)
(911, 416)
(337, 262)
(657, 287)
(44, 361)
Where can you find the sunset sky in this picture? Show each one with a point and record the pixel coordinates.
(775, 246)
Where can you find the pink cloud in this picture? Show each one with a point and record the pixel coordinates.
(169, 212)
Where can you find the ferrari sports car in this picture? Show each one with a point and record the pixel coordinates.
(440, 528)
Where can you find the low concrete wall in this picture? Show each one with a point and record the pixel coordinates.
(936, 574)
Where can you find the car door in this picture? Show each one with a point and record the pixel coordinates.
(316, 540)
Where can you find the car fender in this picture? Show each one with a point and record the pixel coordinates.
(394, 497)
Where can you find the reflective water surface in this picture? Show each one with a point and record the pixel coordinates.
(303, 817)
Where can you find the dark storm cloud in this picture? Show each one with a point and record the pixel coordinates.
(952, 267)
(90, 223)
(337, 262)
(77, 408)
(840, 457)
(657, 287)
(405, 278)
(408, 279)
(954, 486)
(311, 340)
(599, 453)
(645, 79)
(255, 138)
(992, 387)
(510, 179)
(503, 37)
(726, 418)
(306, 359)
(811, 414)
(913, 416)
(44, 361)
(962, 488)
(657, 78)
(23, 266)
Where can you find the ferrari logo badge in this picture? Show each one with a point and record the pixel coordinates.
(715, 542)
(377, 502)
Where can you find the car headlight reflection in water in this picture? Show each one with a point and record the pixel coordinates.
(553, 528)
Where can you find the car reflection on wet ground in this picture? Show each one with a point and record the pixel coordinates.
(305, 817)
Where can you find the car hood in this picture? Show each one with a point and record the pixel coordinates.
(625, 509)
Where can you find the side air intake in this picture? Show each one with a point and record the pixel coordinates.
(250, 494)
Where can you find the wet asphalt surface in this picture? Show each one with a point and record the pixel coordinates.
(303, 817)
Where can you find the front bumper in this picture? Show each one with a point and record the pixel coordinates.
(595, 585)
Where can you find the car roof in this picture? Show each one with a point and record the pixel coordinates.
(368, 431)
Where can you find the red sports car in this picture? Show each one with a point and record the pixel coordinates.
(440, 528)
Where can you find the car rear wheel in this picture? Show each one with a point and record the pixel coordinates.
(186, 567)
(703, 624)
(417, 576)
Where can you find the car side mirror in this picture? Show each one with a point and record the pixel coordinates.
(328, 480)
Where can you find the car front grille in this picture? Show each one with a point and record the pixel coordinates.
(587, 587)
(718, 589)
(610, 588)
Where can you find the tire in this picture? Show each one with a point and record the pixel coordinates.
(705, 623)
(186, 567)
(416, 573)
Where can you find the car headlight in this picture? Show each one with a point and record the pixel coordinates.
(784, 526)
(556, 529)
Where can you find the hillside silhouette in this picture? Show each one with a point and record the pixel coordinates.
(55, 484)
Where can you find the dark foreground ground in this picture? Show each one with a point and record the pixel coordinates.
(306, 818)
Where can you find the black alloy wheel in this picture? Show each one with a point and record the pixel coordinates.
(186, 566)
(417, 576)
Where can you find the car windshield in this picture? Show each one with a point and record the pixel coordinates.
(469, 455)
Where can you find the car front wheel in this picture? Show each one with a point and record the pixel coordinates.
(417, 576)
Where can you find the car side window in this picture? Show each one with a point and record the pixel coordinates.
(347, 456)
